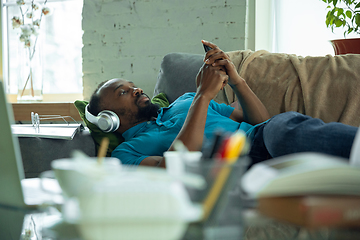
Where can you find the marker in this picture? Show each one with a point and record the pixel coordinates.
(235, 146)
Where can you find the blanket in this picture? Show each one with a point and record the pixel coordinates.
(325, 87)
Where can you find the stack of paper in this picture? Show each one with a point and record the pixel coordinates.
(56, 131)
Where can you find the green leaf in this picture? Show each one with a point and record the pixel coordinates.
(357, 19)
(338, 23)
(327, 22)
(335, 2)
(332, 21)
(328, 18)
(349, 14)
(357, 5)
(340, 11)
(333, 11)
(330, 15)
(350, 30)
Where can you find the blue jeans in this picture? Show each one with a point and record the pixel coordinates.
(293, 132)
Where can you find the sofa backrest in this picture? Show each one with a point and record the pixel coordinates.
(177, 75)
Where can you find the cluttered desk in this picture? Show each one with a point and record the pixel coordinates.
(233, 216)
(112, 209)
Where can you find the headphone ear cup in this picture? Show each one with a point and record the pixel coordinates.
(108, 121)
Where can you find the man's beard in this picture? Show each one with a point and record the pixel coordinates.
(144, 113)
(147, 112)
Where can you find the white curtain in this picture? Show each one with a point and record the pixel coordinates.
(298, 27)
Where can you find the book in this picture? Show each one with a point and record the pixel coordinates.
(55, 131)
(313, 211)
(302, 174)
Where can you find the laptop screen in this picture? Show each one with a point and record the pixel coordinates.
(11, 167)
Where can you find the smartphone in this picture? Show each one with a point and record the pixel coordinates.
(207, 48)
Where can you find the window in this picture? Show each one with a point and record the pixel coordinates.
(61, 44)
(298, 28)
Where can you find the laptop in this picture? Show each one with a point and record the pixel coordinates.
(15, 190)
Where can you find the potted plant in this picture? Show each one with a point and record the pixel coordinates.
(344, 14)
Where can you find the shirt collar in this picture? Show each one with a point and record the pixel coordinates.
(131, 132)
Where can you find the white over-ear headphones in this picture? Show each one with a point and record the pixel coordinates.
(106, 120)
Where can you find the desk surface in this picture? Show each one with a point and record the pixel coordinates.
(49, 225)
(22, 111)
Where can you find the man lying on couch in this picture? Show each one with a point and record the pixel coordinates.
(193, 116)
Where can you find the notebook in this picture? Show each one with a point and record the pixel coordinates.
(54, 131)
(15, 190)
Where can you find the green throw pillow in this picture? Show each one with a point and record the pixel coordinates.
(114, 138)
(161, 100)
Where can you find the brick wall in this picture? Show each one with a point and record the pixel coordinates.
(128, 39)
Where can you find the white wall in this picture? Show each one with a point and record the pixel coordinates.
(128, 39)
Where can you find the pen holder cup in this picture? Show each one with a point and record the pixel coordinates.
(221, 199)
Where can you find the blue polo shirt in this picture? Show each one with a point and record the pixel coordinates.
(153, 138)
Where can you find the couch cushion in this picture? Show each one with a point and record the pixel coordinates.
(177, 74)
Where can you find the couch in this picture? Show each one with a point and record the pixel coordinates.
(327, 87)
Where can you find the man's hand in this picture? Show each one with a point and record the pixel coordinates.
(254, 111)
(210, 80)
(217, 58)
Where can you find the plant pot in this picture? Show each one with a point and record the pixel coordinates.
(344, 46)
